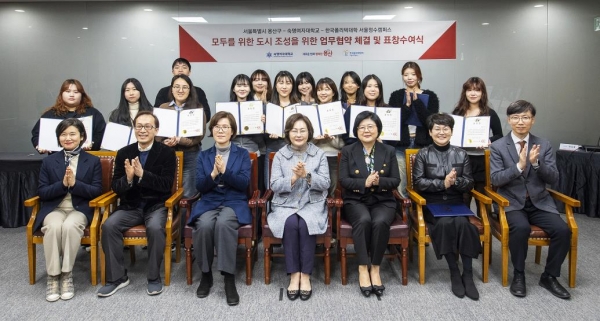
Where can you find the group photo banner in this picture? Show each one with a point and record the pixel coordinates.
(318, 41)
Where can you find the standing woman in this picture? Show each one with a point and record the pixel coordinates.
(369, 174)
(261, 84)
(222, 176)
(284, 95)
(299, 180)
(72, 102)
(326, 93)
(442, 174)
(350, 94)
(183, 98)
(474, 102)
(412, 136)
(241, 90)
(133, 99)
(306, 88)
(372, 92)
(69, 179)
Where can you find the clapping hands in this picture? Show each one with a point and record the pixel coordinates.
(450, 179)
(69, 179)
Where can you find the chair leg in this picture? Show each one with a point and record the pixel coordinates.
(486, 261)
(327, 260)
(102, 266)
(490, 250)
(410, 246)
(404, 263)
(168, 262)
(421, 262)
(178, 248)
(132, 254)
(504, 263)
(188, 260)
(267, 263)
(249, 262)
(572, 266)
(94, 263)
(31, 253)
(343, 266)
(538, 254)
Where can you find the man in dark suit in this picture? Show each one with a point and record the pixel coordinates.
(521, 166)
(182, 66)
(143, 177)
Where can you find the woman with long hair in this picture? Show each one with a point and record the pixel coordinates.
(305, 84)
(261, 84)
(133, 100)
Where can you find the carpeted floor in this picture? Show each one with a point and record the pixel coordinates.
(433, 300)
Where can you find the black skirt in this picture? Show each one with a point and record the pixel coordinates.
(453, 234)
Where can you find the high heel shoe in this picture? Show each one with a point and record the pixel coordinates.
(293, 294)
(378, 289)
(366, 290)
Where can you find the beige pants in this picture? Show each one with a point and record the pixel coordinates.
(63, 229)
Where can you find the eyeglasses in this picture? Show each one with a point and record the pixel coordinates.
(296, 132)
(146, 127)
(369, 128)
(221, 128)
(516, 119)
(184, 88)
(445, 129)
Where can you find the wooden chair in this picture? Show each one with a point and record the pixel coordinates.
(137, 234)
(269, 240)
(537, 237)
(91, 232)
(247, 234)
(420, 232)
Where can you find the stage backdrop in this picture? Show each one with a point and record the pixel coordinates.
(318, 41)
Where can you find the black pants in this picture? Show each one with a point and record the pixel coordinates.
(519, 229)
(371, 223)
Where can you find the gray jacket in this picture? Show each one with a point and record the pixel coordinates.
(308, 201)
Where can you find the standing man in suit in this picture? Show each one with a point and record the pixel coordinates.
(143, 177)
(182, 66)
(521, 166)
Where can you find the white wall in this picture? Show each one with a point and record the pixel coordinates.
(546, 55)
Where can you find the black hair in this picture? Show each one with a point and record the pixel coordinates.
(63, 125)
(442, 119)
(519, 107)
(121, 115)
(367, 115)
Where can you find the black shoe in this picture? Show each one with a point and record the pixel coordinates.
(378, 289)
(305, 294)
(458, 287)
(231, 294)
(293, 294)
(205, 284)
(470, 289)
(551, 284)
(366, 290)
(518, 288)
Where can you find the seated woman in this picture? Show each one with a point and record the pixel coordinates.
(299, 180)
(369, 173)
(69, 179)
(222, 177)
(442, 174)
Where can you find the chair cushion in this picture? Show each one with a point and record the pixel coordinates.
(536, 232)
(267, 231)
(397, 229)
(477, 222)
(136, 231)
(245, 231)
(39, 233)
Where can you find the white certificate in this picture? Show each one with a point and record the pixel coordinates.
(117, 136)
(184, 123)
(331, 116)
(470, 131)
(354, 111)
(390, 121)
(276, 117)
(47, 138)
(312, 113)
(247, 116)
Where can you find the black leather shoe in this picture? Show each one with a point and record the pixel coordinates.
(517, 287)
(378, 289)
(305, 294)
(205, 284)
(231, 293)
(551, 284)
(366, 290)
(293, 294)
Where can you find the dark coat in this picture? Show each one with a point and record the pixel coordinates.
(233, 193)
(51, 190)
(422, 137)
(155, 186)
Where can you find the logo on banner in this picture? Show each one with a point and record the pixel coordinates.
(325, 53)
(349, 53)
(269, 54)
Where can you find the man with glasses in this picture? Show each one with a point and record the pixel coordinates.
(521, 166)
(182, 66)
(143, 178)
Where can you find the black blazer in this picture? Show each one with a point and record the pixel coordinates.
(88, 184)
(155, 186)
(353, 174)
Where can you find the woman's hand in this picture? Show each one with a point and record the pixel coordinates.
(220, 164)
(70, 177)
(372, 179)
(408, 98)
(273, 136)
(450, 179)
(263, 118)
(41, 151)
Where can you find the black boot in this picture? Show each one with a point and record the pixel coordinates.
(205, 284)
(457, 284)
(230, 291)
(470, 289)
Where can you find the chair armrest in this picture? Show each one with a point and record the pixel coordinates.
(32, 201)
(481, 198)
(187, 202)
(35, 203)
(262, 203)
(94, 202)
(416, 197)
(564, 198)
(105, 203)
(174, 199)
(501, 201)
(253, 201)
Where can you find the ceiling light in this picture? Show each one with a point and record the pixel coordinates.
(189, 19)
(485, 24)
(19, 11)
(124, 38)
(147, 10)
(85, 28)
(379, 17)
(285, 19)
(538, 6)
(408, 7)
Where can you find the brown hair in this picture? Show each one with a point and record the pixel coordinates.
(289, 125)
(220, 115)
(60, 108)
(473, 83)
(414, 66)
